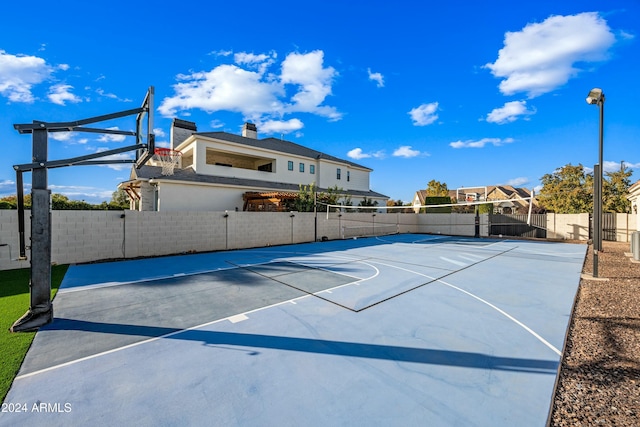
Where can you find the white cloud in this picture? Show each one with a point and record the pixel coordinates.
(216, 124)
(376, 77)
(163, 144)
(314, 83)
(158, 132)
(82, 193)
(61, 93)
(425, 114)
(246, 87)
(101, 92)
(610, 166)
(542, 56)
(112, 137)
(260, 62)
(221, 52)
(19, 73)
(250, 58)
(281, 126)
(119, 156)
(407, 152)
(518, 182)
(7, 187)
(62, 136)
(509, 112)
(226, 87)
(358, 154)
(481, 143)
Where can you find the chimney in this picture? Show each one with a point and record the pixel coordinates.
(249, 130)
(180, 131)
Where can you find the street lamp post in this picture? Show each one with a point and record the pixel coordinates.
(596, 96)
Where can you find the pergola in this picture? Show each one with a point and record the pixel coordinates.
(271, 201)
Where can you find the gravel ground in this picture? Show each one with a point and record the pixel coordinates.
(599, 382)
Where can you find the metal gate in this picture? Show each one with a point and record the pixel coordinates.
(516, 225)
(608, 227)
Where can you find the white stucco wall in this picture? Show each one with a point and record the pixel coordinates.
(325, 175)
(198, 197)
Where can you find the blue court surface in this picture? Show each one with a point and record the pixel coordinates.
(391, 331)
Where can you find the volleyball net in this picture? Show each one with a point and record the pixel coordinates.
(449, 218)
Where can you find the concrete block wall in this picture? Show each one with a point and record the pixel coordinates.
(625, 226)
(568, 226)
(455, 224)
(87, 236)
(10, 239)
(78, 237)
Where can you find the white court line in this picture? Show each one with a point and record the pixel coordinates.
(475, 257)
(453, 261)
(169, 335)
(238, 318)
(195, 273)
(504, 313)
(499, 310)
(555, 254)
(233, 319)
(291, 301)
(133, 282)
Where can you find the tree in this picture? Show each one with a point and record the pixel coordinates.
(567, 190)
(305, 198)
(437, 188)
(11, 202)
(615, 189)
(332, 197)
(367, 202)
(119, 200)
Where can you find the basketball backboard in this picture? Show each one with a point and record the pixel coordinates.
(144, 130)
(471, 194)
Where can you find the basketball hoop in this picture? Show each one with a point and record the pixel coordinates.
(167, 158)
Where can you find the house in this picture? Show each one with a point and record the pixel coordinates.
(221, 171)
(634, 198)
(508, 199)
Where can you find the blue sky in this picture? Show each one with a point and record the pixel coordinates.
(467, 93)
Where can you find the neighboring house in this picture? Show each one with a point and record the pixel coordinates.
(221, 171)
(512, 199)
(634, 198)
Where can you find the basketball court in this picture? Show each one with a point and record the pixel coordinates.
(397, 330)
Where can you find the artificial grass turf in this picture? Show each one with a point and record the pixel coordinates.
(14, 302)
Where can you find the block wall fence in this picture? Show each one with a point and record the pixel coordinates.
(89, 236)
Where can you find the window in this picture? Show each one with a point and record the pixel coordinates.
(338, 173)
(348, 176)
(301, 167)
(290, 165)
(312, 169)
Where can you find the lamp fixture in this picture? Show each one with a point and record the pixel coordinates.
(595, 96)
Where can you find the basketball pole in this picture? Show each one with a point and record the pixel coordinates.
(40, 309)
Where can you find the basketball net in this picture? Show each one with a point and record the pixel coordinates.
(167, 158)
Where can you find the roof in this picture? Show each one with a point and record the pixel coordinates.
(188, 175)
(279, 145)
(510, 192)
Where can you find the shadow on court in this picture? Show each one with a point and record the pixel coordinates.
(306, 345)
